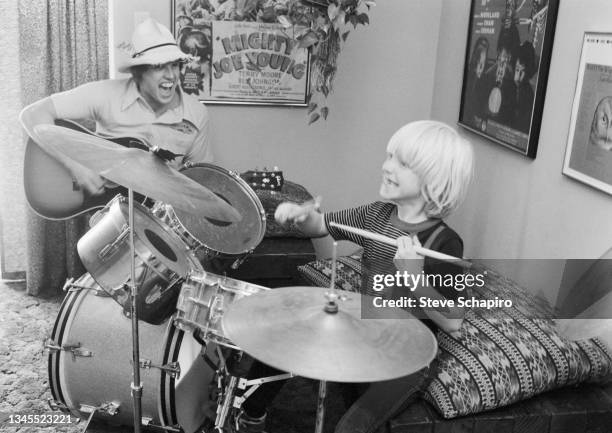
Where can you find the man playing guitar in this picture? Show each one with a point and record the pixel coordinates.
(149, 106)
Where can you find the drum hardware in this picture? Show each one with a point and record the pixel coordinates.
(226, 403)
(136, 384)
(202, 301)
(162, 259)
(113, 247)
(110, 409)
(253, 384)
(55, 406)
(173, 369)
(208, 237)
(98, 324)
(51, 346)
(134, 170)
(227, 384)
(239, 261)
(300, 335)
(70, 286)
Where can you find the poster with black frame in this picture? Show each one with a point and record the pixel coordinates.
(588, 156)
(241, 55)
(506, 68)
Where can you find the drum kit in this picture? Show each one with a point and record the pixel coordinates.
(148, 281)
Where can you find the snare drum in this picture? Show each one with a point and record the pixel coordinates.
(162, 259)
(203, 300)
(210, 237)
(90, 367)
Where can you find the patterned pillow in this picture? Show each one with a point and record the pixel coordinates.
(505, 355)
(348, 273)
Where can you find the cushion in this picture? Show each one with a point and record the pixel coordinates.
(502, 355)
(348, 273)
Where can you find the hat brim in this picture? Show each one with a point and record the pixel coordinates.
(156, 56)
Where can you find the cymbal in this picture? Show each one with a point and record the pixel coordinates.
(141, 171)
(288, 328)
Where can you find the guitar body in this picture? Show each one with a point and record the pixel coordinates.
(50, 189)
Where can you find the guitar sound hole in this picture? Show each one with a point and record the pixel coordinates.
(160, 245)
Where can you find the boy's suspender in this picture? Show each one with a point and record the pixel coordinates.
(432, 237)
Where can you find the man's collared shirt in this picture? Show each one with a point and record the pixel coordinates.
(119, 110)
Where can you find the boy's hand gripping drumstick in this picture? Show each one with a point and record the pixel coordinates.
(393, 242)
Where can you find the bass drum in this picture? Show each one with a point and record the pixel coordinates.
(90, 353)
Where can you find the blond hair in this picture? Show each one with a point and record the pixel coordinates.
(441, 158)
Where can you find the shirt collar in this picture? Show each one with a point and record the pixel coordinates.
(130, 95)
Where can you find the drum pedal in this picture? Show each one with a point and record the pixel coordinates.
(110, 408)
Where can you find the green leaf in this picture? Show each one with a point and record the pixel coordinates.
(325, 90)
(353, 21)
(284, 21)
(308, 40)
(363, 19)
(312, 107)
(324, 112)
(332, 11)
(313, 118)
(345, 35)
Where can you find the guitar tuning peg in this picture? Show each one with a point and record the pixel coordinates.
(275, 168)
(265, 168)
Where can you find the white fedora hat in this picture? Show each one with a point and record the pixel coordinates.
(152, 44)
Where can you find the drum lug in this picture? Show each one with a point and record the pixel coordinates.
(68, 287)
(75, 349)
(173, 369)
(113, 246)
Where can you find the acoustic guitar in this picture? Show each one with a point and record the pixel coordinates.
(50, 189)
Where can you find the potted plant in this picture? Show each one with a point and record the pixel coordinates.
(323, 26)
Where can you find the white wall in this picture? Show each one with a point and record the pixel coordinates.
(385, 79)
(522, 208)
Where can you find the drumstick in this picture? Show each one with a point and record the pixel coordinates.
(393, 242)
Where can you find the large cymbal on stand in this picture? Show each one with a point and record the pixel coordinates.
(290, 329)
(141, 171)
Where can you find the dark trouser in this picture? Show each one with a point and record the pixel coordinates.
(371, 404)
(257, 404)
(378, 402)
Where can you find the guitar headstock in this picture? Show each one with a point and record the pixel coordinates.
(270, 180)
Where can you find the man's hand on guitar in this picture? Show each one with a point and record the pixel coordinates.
(87, 179)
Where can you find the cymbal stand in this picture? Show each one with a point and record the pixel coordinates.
(331, 308)
(136, 384)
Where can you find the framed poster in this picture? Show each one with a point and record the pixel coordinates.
(588, 155)
(506, 68)
(242, 55)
